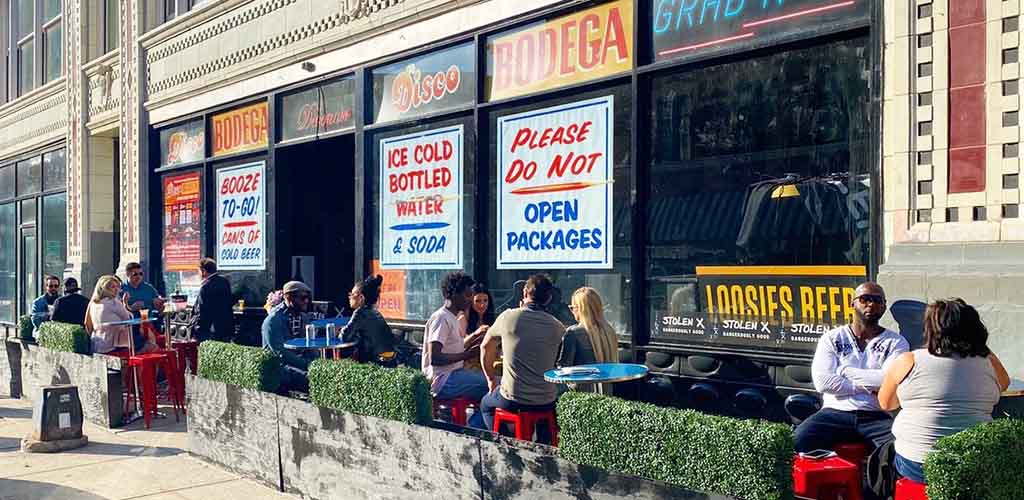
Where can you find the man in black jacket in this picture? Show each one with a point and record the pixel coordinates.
(213, 307)
(72, 307)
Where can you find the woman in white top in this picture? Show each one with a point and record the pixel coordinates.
(106, 308)
(951, 385)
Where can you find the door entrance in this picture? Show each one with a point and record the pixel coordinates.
(29, 268)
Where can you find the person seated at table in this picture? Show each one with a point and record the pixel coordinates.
(950, 385)
(367, 327)
(847, 369)
(480, 313)
(105, 308)
(446, 347)
(529, 338)
(591, 340)
(281, 324)
(72, 306)
(41, 306)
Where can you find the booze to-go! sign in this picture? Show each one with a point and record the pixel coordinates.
(421, 200)
(555, 177)
(240, 218)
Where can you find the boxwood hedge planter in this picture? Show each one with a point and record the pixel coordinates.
(982, 462)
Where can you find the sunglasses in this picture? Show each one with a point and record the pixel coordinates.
(136, 273)
(876, 299)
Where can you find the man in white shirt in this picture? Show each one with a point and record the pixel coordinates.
(446, 344)
(848, 368)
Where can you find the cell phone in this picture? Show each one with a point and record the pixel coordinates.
(818, 454)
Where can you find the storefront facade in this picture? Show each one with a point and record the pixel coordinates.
(712, 171)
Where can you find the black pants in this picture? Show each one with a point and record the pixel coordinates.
(293, 379)
(829, 427)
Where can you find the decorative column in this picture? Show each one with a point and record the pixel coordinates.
(134, 147)
(77, 142)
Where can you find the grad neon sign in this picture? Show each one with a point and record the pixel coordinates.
(687, 28)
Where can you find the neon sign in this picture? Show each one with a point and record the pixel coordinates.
(694, 28)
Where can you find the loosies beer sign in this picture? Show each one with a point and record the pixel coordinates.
(590, 44)
(241, 130)
(555, 187)
(435, 82)
(779, 307)
(241, 217)
(421, 209)
(319, 110)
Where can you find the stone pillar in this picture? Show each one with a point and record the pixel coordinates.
(77, 143)
(134, 139)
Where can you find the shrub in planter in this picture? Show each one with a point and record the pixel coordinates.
(66, 337)
(25, 327)
(248, 367)
(401, 394)
(983, 462)
(748, 459)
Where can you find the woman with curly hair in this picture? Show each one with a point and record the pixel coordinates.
(943, 389)
(367, 327)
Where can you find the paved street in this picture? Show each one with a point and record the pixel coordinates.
(129, 463)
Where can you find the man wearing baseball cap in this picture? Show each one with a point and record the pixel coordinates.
(71, 307)
(848, 369)
(287, 320)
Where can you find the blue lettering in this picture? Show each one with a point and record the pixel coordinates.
(572, 239)
(731, 10)
(426, 244)
(779, 3)
(704, 9)
(688, 10)
(552, 211)
(663, 13)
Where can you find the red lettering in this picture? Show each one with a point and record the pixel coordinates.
(567, 67)
(526, 59)
(504, 65)
(548, 53)
(615, 37)
(588, 50)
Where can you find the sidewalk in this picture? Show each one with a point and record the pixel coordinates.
(126, 463)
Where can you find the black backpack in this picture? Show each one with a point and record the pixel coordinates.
(881, 474)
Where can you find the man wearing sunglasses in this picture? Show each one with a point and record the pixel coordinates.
(848, 368)
(279, 326)
(42, 305)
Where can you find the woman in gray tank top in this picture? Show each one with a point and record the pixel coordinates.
(943, 389)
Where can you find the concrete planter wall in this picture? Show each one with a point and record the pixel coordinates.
(321, 453)
(25, 367)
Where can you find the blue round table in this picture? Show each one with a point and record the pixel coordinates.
(596, 373)
(129, 322)
(318, 344)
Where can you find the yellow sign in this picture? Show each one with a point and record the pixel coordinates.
(240, 130)
(586, 45)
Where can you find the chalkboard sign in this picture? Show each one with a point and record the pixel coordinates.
(690, 29)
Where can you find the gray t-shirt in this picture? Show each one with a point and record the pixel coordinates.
(529, 346)
(942, 396)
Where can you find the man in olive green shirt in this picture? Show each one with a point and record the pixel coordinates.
(529, 337)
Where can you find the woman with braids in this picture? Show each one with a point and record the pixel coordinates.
(943, 389)
(592, 339)
(367, 327)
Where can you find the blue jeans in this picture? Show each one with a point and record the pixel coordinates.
(494, 400)
(461, 383)
(829, 427)
(910, 469)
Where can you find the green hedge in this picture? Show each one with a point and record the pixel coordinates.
(748, 459)
(25, 327)
(66, 337)
(248, 367)
(401, 394)
(982, 462)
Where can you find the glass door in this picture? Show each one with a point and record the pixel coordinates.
(29, 268)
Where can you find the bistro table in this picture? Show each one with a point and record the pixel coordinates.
(318, 344)
(596, 373)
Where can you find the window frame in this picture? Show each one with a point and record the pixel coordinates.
(10, 67)
(44, 30)
(4, 55)
(105, 46)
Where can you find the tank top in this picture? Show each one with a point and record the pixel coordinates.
(942, 396)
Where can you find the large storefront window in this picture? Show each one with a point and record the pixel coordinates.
(55, 235)
(761, 162)
(567, 207)
(8, 262)
(425, 251)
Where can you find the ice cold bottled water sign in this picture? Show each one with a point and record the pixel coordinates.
(240, 218)
(421, 209)
(555, 187)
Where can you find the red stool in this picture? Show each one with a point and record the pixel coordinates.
(525, 421)
(147, 364)
(827, 479)
(457, 407)
(188, 352)
(910, 490)
(175, 378)
(855, 453)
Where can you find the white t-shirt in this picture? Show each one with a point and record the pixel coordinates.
(445, 328)
(849, 378)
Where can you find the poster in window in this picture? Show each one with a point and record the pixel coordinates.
(240, 130)
(241, 218)
(421, 205)
(182, 222)
(555, 177)
(392, 303)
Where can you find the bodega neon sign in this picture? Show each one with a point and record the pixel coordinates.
(684, 28)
